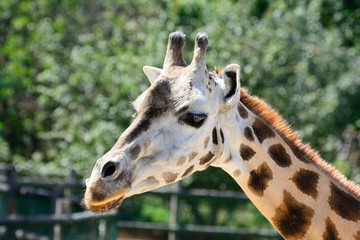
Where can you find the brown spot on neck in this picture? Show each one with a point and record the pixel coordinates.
(242, 111)
(206, 142)
(170, 177)
(248, 134)
(150, 183)
(207, 158)
(246, 152)
(181, 161)
(292, 218)
(192, 155)
(187, 171)
(306, 181)
(330, 231)
(259, 179)
(344, 204)
(278, 153)
(299, 155)
(236, 173)
(262, 131)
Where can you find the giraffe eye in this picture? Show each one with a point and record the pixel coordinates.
(193, 119)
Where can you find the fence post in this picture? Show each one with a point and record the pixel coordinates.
(11, 178)
(102, 229)
(56, 209)
(174, 210)
(11, 198)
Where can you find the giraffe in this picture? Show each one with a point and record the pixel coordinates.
(190, 118)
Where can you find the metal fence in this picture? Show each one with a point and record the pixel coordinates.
(63, 195)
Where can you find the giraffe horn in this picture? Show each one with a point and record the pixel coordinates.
(201, 43)
(174, 55)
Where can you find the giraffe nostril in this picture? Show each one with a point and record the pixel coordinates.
(108, 170)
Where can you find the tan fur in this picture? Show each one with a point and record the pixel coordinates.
(273, 119)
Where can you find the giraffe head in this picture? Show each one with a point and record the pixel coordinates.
(176, 129)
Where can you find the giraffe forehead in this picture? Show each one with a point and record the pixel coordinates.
(159, 95)
(176, 91)
(166, 93)
(156, 102)
(164, 96)
(178, 85)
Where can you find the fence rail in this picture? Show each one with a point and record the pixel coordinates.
(57, 192)
(53, 218)
(197, 229)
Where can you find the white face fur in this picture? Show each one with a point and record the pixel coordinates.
(175, 132)
(174, 143)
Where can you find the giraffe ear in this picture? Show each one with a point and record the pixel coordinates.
(231, 86)
(152, 73)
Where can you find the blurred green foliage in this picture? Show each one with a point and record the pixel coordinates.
(68, 70)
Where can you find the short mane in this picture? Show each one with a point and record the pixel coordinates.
(302, 151)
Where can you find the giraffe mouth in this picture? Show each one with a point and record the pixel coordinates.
(96, 202)
(105, 207)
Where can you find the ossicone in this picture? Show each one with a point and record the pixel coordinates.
(174, 52)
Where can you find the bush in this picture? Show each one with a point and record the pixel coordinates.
(70, 69)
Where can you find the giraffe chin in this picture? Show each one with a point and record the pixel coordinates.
(105, 207)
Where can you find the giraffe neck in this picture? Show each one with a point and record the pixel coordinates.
(300, 194)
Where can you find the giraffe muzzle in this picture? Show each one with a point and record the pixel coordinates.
(101, 195)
